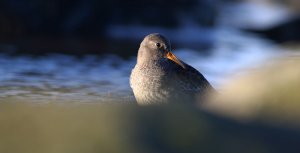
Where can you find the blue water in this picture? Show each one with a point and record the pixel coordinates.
(93, 79)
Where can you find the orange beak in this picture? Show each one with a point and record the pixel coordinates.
(172, 57)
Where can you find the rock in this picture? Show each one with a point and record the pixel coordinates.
(270, 94)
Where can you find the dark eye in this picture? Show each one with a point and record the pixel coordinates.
(158, 45)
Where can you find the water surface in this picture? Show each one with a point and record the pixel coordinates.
(93, 79)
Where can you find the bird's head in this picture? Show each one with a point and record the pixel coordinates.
(156, 47)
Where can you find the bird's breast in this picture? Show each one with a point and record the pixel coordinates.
(149, 84)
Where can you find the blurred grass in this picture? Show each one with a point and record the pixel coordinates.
(72, 128)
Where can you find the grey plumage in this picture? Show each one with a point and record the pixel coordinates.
(159, 77)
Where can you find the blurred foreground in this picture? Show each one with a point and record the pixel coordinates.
(129, 129)
(269, 93)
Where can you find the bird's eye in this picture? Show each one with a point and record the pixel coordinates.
(158, 45)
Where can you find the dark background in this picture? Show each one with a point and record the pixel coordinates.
(80, 26)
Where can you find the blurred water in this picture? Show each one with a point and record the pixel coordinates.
(61, 78)
(90, 79)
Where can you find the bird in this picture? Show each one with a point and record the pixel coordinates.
(159, 77)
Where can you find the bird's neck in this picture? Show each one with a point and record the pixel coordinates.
(145, 57)
(148, 63)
